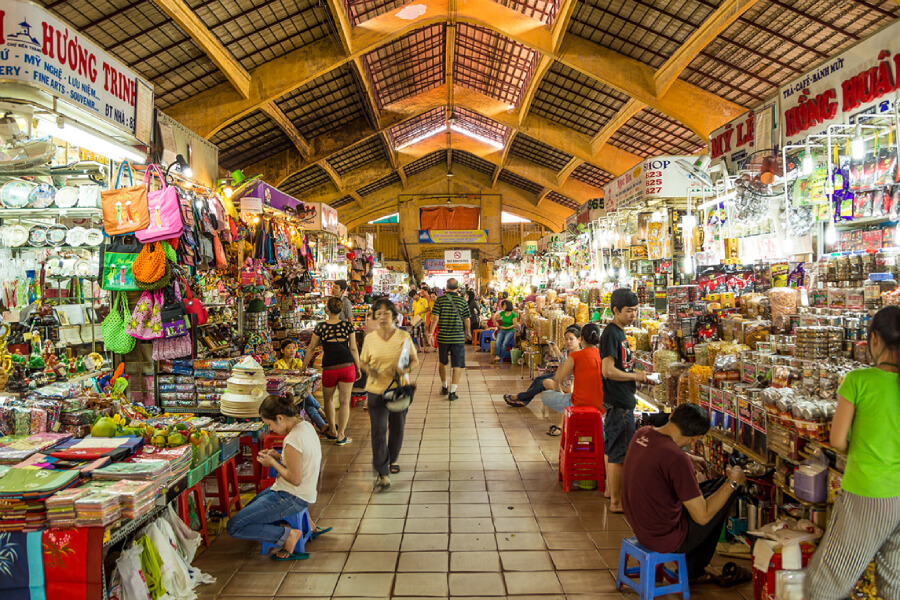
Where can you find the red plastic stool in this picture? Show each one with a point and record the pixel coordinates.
(228, 491)
(357, 398)
(247, 441)
(184, 510)
(581, 447)
(270, 442)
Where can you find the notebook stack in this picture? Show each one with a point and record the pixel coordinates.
(98, 509)
(156, 472)
(61, 507)
(23, 495)
(178, 459)
(276, 384)
(137, 497)
(14, 448)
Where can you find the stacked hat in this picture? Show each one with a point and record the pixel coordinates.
(245, 391)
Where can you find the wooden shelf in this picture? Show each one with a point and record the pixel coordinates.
(744, 449)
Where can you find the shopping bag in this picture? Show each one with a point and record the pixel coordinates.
(117, 258)
(115, 336)
(125, 209)
(164, 209)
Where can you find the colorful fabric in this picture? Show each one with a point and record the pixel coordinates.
(72, 562)
(21, 566)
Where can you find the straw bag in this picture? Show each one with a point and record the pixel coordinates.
(115, 336)
(164, 208)
(125, 209)
(159, 284)
(150, 265)
(145, 323)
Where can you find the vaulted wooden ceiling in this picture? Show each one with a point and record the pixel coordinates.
(338, 100)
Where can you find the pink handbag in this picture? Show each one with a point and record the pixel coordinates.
(146, 321)
(165, 211)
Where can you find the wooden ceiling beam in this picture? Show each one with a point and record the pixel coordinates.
(208, 42)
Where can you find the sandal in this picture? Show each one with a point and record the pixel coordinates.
(320, 531)
(732, 575)
(291, 556)
(395, 468)
(514, 402)
(554, 431)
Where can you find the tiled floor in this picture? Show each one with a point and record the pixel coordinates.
(476, 512)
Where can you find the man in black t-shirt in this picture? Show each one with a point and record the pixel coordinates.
(619, 385)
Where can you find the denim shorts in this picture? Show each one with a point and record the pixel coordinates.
(618, 429)
(456, 352)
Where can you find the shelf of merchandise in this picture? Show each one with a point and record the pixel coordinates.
(41, 213)
(190, 409)
(652, 401)
(737, 445)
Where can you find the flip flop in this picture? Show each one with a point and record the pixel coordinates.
(554, 431)
(395, 468)
(320, 531)
(291, 556)
(515, 403)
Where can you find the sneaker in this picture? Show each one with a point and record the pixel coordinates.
(453, 396)
(344, 441)
(444, 391)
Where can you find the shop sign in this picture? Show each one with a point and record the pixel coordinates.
(329, 219)
(311, 216)
(250, 206)
(370, 242)
(458, 260)
(274, 198)
(657, 177)
(529, 247)
(38, 49)
(434, 264)
(596, 208)
(450, 236)
(864, 79)
(750, 132)
(583, 214)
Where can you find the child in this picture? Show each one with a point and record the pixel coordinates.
(293, 490)
(289, 361)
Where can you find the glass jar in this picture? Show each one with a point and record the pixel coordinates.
(842, 269)
(856, 267)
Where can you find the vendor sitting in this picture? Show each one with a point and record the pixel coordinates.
(664, 504)
(289, 361)
(298, 466)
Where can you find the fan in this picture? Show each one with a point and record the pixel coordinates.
(760, 169)
(698, 169)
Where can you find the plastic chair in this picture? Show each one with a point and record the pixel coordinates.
(270, 442)
(247, 441)
(184, 510)
(648, 563)
(581, 447)
(299, 521)
(228, 492)
(357, 398)
(485, 339)
(476, 335)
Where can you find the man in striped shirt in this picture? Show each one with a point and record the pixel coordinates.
(450, 316)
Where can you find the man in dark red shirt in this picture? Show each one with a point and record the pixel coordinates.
(668, 510)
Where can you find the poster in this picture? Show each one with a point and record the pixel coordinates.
(38, 49)
(751, 132)
(448, 236)
(458, 260)
(864, 79)
(658, 177)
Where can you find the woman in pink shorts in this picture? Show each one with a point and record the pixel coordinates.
(340, 365)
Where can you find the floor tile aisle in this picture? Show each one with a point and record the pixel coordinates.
(476, 512)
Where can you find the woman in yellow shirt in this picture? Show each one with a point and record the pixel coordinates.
(380, 356)
(421, 312)
(289, 361)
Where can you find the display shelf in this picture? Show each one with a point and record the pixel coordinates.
(190, 409)
(737, 445)
(651, 401)
(76, 379)
(786, 490)
(13, 213)
(132, 525)
(54, 246)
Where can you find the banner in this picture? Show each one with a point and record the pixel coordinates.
(434, 264)
(449, 236)
(751, 132)
(657, 177)
(458, 260)
(38, 49)
(329, 219)
(529, 247)
(864, 79)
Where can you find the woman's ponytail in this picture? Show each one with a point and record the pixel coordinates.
(273, 406)
(590, 334)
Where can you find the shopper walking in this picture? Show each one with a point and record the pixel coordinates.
(587, 385)
(419, 320)
(450, 317)
(619, 387)
(380, 359)
(474, 312)
(339, 290)
(340, 366)
(506, 337)
(546, 382)
(294, 488)
(865, 522)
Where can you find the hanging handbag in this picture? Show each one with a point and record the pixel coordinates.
(125, 209)
(115, 336)
(174, 316)
(164, 209)
(150, 265)
(221, 259)
(145, 322)
(117, 258)
(194, 307)
(159, 283)
(172, 348)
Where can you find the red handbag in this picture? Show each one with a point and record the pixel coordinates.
(195, 307)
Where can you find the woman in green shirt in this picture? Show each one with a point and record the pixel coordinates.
(865, 523)
(508, 321)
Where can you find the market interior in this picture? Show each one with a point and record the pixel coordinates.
(592, 231)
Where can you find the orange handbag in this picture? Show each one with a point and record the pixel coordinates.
(150, 265)
(125, 209)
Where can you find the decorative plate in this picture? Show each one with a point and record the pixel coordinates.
(56, 234)
(93, 237)
(75, 236)
(37, 236)
(42, 195)
(17, 235)
(14, 194)
(82, 268)
(67, 197)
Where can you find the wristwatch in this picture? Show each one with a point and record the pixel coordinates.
(734, 484)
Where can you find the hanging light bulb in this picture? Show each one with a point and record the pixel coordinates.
(807, 165)
(831, 235)
(858, 145)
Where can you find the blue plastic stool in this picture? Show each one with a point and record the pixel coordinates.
(299, 521)
(648, 562)
(485, 339)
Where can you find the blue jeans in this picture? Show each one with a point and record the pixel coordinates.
(557, 401)
(536, 387)
(506, 337)
(312, 410)
(261, 519)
